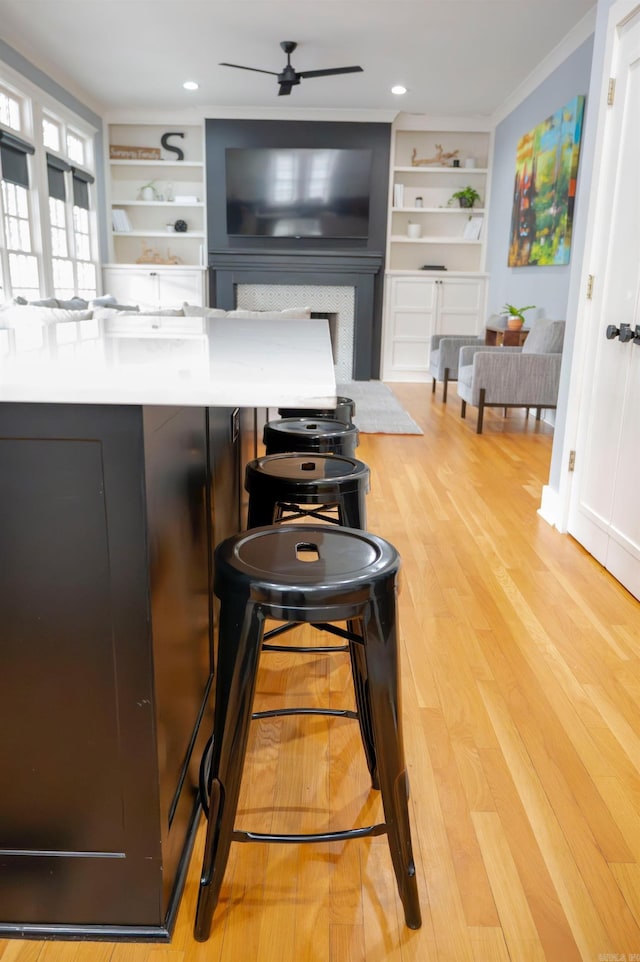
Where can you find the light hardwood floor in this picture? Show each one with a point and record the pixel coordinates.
(521, 688)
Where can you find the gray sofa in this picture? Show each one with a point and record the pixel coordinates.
(527, 376)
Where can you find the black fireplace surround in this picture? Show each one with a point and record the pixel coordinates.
(350, 262)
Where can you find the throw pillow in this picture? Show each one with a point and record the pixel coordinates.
(74, 304)
(546, 337)
(165, 312)
(193, 310)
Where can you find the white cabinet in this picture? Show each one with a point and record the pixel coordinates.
(417, 306)
(144, 220)
(153, 288)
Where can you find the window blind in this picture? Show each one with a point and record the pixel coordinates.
(13, 158)
(56, 169)
(81, 181)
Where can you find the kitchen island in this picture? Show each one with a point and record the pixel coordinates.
(120, 469)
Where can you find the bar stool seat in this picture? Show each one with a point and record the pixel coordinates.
(324, 435)
(287, 487)
(313, 574)
(343, 411)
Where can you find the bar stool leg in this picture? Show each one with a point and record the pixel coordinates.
(261, 510)
(352, 510)
(363, 704)
(240, 639)
(382, 669)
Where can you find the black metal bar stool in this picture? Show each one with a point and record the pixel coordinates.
(310, 434)
(287, 487)
(343, 411)
(309, 574)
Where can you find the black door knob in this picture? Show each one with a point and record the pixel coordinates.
(626, 334)
(612, 332)
(636, 336)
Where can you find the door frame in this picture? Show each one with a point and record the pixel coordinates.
(588, 326)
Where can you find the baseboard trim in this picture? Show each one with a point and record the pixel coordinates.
(549, 509)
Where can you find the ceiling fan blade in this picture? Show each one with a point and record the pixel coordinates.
(285, 88)
(329, 72)
(239, 66)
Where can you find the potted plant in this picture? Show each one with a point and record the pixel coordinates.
(466, 197)
(148, 191)
(515, 315)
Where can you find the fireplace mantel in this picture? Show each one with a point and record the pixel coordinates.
(359, 269)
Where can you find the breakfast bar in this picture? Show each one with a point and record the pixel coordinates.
(120, 469)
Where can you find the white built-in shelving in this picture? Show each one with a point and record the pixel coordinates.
(143, 235)
(435, 282)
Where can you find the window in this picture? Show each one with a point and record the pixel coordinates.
(51, 133)
(73, 267)
(86, 269)
(9, 109)
(76, 149)
(48, 240)
(61, 266)
(22, 264)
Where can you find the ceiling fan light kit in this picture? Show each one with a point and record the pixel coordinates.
(289, 77)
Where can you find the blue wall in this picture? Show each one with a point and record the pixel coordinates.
(546, 287)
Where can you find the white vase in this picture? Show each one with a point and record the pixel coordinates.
(148, 193)
(414, 230)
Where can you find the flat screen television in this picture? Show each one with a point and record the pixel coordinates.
(298, 192)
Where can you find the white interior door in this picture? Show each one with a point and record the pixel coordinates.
(604, 512)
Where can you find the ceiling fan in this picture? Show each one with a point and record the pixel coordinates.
(289, 77)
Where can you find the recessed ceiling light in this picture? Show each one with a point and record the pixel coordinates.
(190, 85)
(398, 90)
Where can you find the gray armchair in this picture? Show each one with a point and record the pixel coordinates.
(443, 358)
(527, 376)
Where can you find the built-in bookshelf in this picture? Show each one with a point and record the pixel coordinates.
(435, 281)
(158, 205)
(427, 227)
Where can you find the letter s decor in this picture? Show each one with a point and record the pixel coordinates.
(167, 146)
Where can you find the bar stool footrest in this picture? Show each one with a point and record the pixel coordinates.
(307, 649)
(334, 712)
(295, 511)
(319, 626)
(367, 832)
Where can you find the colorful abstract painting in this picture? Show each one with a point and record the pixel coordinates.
(545, 189)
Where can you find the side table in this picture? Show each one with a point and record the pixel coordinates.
(503, 337)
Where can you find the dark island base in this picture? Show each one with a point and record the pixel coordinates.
(108, 515)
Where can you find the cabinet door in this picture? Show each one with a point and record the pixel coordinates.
(176, 287)
(80, 825)
(409, 324)
(154, 289)
(461, 307)
(132, 287)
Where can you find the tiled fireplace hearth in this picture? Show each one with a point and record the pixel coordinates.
(342, 285)
(335, 303)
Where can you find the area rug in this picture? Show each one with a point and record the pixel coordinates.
(378, 411)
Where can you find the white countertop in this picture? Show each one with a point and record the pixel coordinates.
(217, 362)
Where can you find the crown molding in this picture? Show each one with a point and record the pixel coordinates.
(200, 113)
(348, 114)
